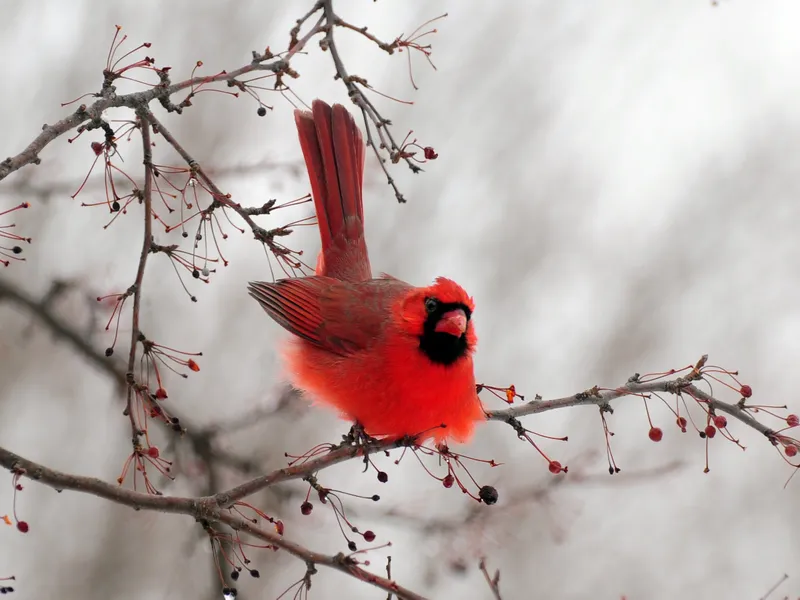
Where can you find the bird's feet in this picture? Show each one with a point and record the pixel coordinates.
(358, 437)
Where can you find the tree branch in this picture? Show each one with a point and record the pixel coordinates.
(202, 509)
(42, 311)
(368, 111)
(260, 233)
(109, 99)
(603, 398)
(136, 288)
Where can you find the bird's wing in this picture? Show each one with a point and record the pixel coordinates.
(337, 316)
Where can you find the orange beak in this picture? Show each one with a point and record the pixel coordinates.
(453, 322)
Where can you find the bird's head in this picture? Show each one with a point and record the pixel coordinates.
(440, 316)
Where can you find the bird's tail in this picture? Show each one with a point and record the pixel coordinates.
(334, 153)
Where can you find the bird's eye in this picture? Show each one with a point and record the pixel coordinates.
(431, 304)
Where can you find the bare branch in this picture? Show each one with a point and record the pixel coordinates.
(492, 580)
(135, 100)
(42, 311)
(371, 116)
(597, 397)
(147, 243)
(202, 509)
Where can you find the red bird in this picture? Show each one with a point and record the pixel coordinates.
(393, 357)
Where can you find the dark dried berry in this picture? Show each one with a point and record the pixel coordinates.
(234, 574)
(375, 497)
(109, 351)
(352, 545)
(306, 507)
(255, 573)
(115, 206)
(261, 111)
(196, 274)
(488, 494)
(383, 477)
(16, 250)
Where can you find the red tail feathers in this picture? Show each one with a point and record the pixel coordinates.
(334, 153)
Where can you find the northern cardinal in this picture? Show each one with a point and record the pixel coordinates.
(395, 358)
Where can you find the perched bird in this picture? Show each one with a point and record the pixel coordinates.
(393, 357)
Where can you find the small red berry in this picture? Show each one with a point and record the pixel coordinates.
(656, 434)
(369, 536)
(710, 431)
(97, 148)
(746, 391)
(448, 481)
(153, 452)
(793, 420)
(19, 487)
(22, 526)
(555, 467)
(790, 450)
(720, 422)
(681, 421)
(193, 365)
(161, 394)
(306, 507)
(430, 153)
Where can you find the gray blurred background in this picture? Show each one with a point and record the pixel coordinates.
(615, 186)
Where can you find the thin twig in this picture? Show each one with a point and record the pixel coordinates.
(147, 243)
(370, 114)
(493, 581)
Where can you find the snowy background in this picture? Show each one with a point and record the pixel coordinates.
(616, 187)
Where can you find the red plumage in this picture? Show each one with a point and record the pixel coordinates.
(395, 358)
